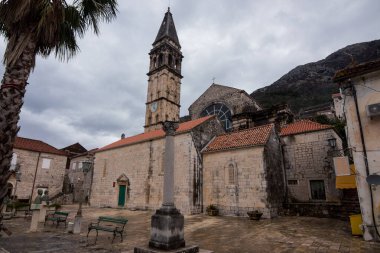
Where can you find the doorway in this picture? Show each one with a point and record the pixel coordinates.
(121, 201)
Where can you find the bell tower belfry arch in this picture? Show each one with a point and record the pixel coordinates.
(164, 83)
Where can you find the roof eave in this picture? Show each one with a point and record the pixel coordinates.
(235, 148)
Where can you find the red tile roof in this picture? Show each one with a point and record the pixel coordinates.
(303, 126)
(36, 145)
(156, 134)
(244, 138)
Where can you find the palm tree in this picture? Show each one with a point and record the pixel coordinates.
(31, 28)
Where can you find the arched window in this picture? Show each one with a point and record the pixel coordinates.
(222, 112)
(170, 60)
(154, 65)
(231, 174)
(157, 118)
(160, 60)
(149, 120)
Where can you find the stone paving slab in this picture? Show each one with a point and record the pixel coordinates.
(217, 234)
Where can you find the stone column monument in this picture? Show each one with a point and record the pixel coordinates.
(167, 223)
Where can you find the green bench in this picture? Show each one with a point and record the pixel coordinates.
(57, 217)
(113, 225)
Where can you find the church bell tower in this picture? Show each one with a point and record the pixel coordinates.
(164, 83)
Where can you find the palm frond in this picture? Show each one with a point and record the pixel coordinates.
(94, 11)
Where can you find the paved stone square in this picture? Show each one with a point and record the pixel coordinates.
(219, 234)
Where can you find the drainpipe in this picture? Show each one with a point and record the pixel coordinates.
(34, 180)
(364, 155)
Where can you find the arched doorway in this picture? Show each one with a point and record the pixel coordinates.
(123, 191)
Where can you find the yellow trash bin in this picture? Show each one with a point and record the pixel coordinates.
(356, 221)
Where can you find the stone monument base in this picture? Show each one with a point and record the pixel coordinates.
(167, 229)
(188, 249)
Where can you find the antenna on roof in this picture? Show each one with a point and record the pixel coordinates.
(213, 80)
(169, 6)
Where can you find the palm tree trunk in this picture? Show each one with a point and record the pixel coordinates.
(11, 99)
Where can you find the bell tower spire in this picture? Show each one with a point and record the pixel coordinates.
(164, 83)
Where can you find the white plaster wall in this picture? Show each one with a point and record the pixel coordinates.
(371, 131)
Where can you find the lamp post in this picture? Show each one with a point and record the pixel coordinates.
(86, 166)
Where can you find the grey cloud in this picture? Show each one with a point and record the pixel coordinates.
(101, 92)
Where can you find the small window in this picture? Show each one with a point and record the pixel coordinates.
(73, 166)
(231, 174)
(292, 182)
(105, 168)
(80, 165)
(317, 189)
(46, 163)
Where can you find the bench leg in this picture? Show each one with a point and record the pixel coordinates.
(88, 234)
(114, 235)
(96, 238)
(121, 237)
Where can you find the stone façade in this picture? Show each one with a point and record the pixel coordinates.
(308, 157)
(257, 181)
(142, 165)
(30, 163)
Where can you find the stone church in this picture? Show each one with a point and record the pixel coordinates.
(227, 150)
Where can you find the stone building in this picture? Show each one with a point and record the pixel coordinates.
(243, 172)
(360, 86)
(224, 102)
(129, 172)
(308, 152)
(39, 165)
(78, 180)
(239, 171)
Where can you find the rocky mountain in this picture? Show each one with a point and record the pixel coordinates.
(311, 84)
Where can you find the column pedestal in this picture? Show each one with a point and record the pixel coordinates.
(167, 229)
(77, 224)
(35, 217)
(43, 209)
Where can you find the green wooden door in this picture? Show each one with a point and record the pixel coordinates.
(121, 201)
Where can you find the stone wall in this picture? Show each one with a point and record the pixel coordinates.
(307, 157)
(273, 164)
(141, 165)
(49, 178)
(244, 190)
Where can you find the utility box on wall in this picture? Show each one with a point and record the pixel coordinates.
(373, 110)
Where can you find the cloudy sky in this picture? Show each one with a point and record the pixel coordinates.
(246, 44)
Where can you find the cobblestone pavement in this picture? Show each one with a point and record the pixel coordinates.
(220, 234)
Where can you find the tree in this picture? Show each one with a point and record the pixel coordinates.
(31, 28)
